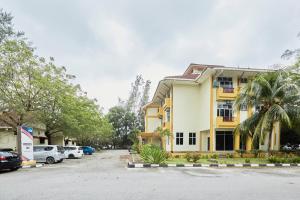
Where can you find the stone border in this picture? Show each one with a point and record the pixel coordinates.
(144, 165)
(32, 166)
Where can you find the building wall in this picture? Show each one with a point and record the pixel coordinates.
(204, 105)
(152, 121)
(8, 139)
(153, 124)
(187, 112)
(58, 140)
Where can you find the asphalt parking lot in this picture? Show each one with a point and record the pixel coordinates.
(105, 176)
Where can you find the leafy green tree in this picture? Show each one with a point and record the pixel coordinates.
(20, 81)
(6, 27)
(124, 123)
(276, 97)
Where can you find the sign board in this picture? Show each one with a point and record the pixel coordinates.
(25, 140)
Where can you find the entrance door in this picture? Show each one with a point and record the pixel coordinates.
(224, 140)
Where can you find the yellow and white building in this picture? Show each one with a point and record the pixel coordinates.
(197, 108)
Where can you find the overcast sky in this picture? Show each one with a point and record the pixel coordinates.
(107, 43)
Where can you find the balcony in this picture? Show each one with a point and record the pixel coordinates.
(167, 103)
(149, 135)
(226, 122)
(227, 93)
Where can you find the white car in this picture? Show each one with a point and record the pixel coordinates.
(48, 153)
(73, 152)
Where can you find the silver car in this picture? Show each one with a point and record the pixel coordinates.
(48, 153)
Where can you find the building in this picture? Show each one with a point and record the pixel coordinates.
(8, 137)
(197, 108)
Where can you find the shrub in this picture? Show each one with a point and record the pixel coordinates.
(205, 157)
(214, 156)
(136, 147)
(229, 155)
(153, 154)
(196, 157)
(247, 160)
(188, 157)
(274, 159)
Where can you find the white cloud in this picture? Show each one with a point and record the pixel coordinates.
(107, 43)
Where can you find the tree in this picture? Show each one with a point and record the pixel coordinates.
(20, 82)
(123, 122)
(143, 101)
(277, 99)
(6, 27)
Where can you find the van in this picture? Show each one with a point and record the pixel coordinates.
(48, 153)
(73, 152)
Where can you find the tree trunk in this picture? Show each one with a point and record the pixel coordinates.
(48, 134)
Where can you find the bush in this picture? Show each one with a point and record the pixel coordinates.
(214, 156)
(247, 160)
(192, 157)
(153, 154)
(274, 159)
(196, 157)
(188, 157)
(229, 155)
(136, 147)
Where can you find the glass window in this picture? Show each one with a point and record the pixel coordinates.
(179, 138)
(243, 80)
(225, 82)
(48, 148)
(225, 110)
(244, 107)
(192, 138)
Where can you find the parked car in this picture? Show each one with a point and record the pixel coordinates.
(48, 153)
(287, 147)
(9, 160)
(73, 152)
(87, 150)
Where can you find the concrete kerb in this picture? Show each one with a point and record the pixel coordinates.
(32, 166)
(190, 165)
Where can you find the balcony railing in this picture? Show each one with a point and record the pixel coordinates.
(227, 93)
(226, 122)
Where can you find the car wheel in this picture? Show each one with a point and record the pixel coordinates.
(71, 156)
(50, 160)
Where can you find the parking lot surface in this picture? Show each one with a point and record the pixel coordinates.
(105, 176)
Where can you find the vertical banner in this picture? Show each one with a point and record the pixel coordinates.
(25, 140)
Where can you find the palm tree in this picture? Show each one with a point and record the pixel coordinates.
(276, 97)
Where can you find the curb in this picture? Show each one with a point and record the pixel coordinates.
(144, 165)
(29, 166)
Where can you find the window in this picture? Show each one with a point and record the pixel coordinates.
(179, 138)
(192, 138)
(225, 110)
(225, 82)
(243, 80)
(244, 107)
(224, 140)
(42, 140)
(167, 115)
(48, 148)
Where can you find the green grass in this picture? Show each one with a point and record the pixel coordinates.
(220, 161)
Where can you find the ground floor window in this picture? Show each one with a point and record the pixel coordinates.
(192, 138)
(179, 138)
(42, 140)
(224, 140)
